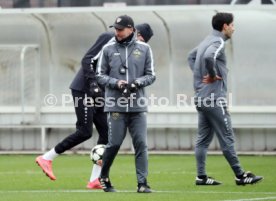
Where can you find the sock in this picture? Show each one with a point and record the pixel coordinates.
(96, 171)
(50, 155)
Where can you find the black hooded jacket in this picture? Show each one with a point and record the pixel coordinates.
(88, 64)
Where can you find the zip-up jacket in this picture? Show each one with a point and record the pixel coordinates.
(137, 60)
(208, 58)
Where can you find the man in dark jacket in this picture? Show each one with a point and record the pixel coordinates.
(83, 86)
(208, 63)
(125, 68)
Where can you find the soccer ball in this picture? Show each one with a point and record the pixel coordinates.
(97, 153)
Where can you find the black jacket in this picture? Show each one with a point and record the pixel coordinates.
(87, 71)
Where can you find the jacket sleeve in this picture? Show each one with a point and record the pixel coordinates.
(192, 58)
(89, 61)
(149, 76)
(103, 70)
(210, 56)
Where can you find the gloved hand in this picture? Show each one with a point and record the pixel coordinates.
(94, 89)
(124, 88)
(133, 87)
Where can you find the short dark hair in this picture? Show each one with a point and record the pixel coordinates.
(220, 19)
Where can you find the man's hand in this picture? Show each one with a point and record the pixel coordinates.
(207, 79)
(94, 89)
(121, 84)
(134, 86)
(123, 87)
(126, 88)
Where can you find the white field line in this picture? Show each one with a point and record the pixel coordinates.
(77, 191)
(253, 199)
(132, 191)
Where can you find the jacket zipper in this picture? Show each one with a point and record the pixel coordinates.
(127, 72)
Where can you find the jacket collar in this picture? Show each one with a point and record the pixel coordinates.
(219, 34)
(128, 42)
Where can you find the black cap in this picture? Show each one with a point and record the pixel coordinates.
(123, 21)
(145, 30)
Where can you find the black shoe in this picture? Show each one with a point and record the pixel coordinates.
(106, 185)
(248, 178)
(143, 188)
(207, 181)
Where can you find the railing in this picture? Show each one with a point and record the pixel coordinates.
(158, 118)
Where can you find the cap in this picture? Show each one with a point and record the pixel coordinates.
(123, 21)
(145, 30)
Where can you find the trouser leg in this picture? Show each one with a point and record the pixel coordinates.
(220, 119)
(116, 135)
(138, 132)
(204, 137)
(100, 122)
(83, 125)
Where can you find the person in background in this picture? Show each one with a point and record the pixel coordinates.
(84, 87)
(208, 63)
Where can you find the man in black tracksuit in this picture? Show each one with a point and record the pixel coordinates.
(125, 67)
(208, 63)
(84, 86)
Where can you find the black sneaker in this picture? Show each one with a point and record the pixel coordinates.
(207, 181)
(248, 178)
(106, 185)
(143, 188)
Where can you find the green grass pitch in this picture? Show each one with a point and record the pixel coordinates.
(170, 176)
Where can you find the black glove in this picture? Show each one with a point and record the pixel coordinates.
(133, 87)
(94, 89)
(124, 89)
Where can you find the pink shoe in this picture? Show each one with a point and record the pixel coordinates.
(94, 184)
(46, 166)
